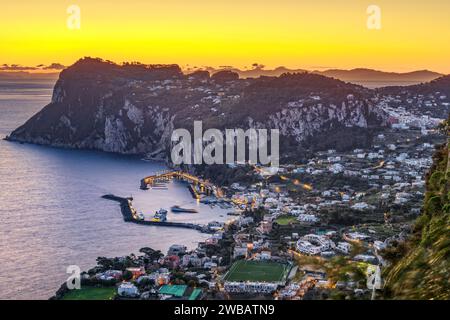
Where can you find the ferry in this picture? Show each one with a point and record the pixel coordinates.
(160, 216)
(140, 216)
(216, 225)
(178, 209)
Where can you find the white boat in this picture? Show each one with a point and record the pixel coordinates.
(160, 216)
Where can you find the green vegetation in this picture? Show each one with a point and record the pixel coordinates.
(421, 266)
(285, 220)
(382, 231)
(127, 275)
(91, 293)
(338, 268)
(263, 271)
(225, 176)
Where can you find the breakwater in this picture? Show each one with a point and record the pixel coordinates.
(129, 215)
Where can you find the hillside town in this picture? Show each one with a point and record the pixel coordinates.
(313, 230)
(321, 225)
(223, 158)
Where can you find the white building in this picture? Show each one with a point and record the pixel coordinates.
(362, 206)
(310, 218)
(128, 289)
(240, 251)
(176, 249)
(250, 287)
(313, 244)
(344, 247)
(352, 236)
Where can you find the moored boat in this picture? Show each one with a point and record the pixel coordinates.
(160, 216)
(178, 209)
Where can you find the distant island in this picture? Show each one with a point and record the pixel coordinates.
(362, 76)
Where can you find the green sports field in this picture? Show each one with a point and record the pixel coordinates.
(91, 293)
(257, 271)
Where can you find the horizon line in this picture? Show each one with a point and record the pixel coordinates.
(189, 68)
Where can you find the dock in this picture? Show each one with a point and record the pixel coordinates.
(203, 186)
(128, 213)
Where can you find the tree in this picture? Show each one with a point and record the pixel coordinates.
(151, 253)
(127, 275)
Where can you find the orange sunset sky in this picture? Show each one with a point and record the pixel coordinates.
(317, 34)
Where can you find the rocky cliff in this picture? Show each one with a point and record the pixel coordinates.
(134, 108)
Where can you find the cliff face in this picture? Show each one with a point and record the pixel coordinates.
(133, 109)
(421, 265)
(92, 108)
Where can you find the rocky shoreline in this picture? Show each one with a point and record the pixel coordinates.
(101, 106)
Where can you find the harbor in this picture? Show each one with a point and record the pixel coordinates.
(196, 186)
(130, 214)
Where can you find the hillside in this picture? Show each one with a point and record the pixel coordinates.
(134, 108)
(421, 266)
(364, 75)
(431, 98)
(440, 84)
(361, 76)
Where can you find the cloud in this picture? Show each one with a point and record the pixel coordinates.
(18, 67)
(55, 66)
(15, 67)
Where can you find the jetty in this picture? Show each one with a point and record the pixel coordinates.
(129, 215)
